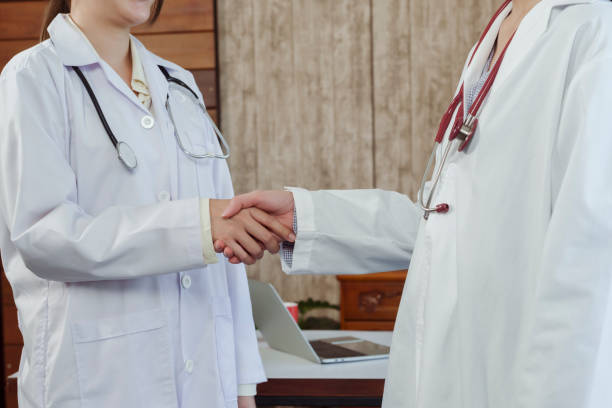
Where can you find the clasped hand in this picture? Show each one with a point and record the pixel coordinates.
(246, 226)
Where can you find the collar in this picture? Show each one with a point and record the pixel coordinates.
(139, 80)
(72, 46)
(474, 70)
(533, 26)
(148, 56)
(74, 49)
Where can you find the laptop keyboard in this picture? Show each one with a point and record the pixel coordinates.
(328, 350)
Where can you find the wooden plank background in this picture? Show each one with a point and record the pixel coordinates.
(184, 34)
(337, 94)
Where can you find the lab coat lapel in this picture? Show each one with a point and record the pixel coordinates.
(120, 85)
(158, 85)
(474, 69)
(71, 48)
(158, 88)
(534, 24)
(74, 49)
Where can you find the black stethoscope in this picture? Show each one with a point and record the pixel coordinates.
(124, 151)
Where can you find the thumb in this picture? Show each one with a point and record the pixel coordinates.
(239, 202)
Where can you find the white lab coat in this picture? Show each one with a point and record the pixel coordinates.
(508, 300)
(98, 256)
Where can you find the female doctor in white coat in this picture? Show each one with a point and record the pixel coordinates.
(508, 300)
(111, 262)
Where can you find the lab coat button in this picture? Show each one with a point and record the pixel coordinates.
(186, 281)
(189, 366)
(147, 122)
(163, 196)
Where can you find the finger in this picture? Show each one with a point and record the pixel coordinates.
(234, 261)
(249, 244)
(239, 202)
(265, 238)
(228, 252)
(219, 246)
(273, 224)
(241, 253)
(263, 249)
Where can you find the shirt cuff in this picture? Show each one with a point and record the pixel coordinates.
(287, 247)
(208, 248)
(296, 260)
(247, 390)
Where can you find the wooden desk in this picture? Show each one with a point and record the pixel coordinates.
(295, 381)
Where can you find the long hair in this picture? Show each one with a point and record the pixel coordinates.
(56, 7)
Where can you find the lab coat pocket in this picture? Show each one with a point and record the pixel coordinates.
(125, 361)
(225, 345)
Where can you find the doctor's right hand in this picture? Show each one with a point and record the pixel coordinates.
(280, 205)
(247, 233)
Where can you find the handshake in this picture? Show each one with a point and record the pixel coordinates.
(244, 227)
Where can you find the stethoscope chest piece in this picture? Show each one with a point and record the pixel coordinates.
(127, 155)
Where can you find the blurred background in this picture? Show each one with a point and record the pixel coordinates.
(335, 94)
(320, 94)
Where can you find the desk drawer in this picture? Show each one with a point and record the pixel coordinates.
(371, 300)
(7, 293)
(382, 325)
(11, 393)
(12, 335)
(12, 355)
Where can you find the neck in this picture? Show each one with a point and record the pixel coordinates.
(112, 42)
(522, 7)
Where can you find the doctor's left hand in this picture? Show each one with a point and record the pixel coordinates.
(249, 232)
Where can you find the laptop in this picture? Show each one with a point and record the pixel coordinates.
(282, 333)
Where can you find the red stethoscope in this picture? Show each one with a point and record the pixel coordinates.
(463, 129)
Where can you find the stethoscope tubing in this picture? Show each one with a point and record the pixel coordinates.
(124, 151)
(177, 81)
(463, 129)
(436, 179)
(224, 144)
(96, 104)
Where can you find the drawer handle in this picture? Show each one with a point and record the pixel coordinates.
(369, 301)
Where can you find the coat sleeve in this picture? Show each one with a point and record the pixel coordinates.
(57, 239)
(353, 231)
(566, 358)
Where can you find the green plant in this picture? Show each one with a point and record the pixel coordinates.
(315, 322)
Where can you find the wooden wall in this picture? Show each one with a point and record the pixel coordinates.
(337, 94)
(184, 34)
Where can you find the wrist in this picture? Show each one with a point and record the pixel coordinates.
(216, 208)
(208, 249)
(246, 402)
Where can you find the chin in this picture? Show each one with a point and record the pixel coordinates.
(136, 12)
